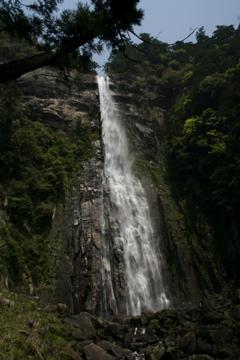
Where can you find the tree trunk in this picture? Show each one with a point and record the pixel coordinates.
(12, 70)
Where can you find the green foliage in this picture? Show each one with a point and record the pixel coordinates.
(12, 49)
(73, 33)
(36, 166)
(198, 85)
(46, 339)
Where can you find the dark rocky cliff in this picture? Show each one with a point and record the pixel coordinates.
(63, 106)
(190, 266)
(190, 269)
(76, 220)
(37, 326)
(188, 261)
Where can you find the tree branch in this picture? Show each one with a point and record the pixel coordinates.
(154, 44)
(129, 58)
(12, 70)
(188, 36)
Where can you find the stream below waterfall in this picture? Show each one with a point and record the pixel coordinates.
(133, 234)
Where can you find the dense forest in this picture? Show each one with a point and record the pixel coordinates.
(197, 85)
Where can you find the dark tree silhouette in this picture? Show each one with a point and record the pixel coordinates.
(83, 30)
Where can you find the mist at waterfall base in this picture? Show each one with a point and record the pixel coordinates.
(134, 232)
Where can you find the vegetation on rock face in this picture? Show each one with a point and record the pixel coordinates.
(36, 166)
(197, 85)
(39, 163)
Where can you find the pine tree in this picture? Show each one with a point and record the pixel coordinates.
(83, 30)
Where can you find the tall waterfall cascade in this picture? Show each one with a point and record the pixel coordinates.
(134, 236)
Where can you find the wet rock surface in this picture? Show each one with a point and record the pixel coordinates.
(205, 332)
(58, 103)
(190, 266)
(62, 104)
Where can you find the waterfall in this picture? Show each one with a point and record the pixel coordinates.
(134, 238)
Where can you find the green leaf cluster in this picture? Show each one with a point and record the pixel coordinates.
(37, 164)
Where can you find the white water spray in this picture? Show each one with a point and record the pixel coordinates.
(135, 239)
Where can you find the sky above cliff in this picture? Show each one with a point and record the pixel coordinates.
(173, 20)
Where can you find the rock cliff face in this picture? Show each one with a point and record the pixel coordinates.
(79, 274)
(189, 266)
(77, 220)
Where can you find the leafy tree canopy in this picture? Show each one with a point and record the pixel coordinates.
(82, 30)
(198, 86)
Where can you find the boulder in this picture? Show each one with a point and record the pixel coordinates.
(116, 330)
(188, 343)
(155, 353)
(69, 354)
(119, 352)
(95, 352)
(105, 345)
(81, 327)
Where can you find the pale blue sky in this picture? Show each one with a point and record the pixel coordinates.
(174, 19)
